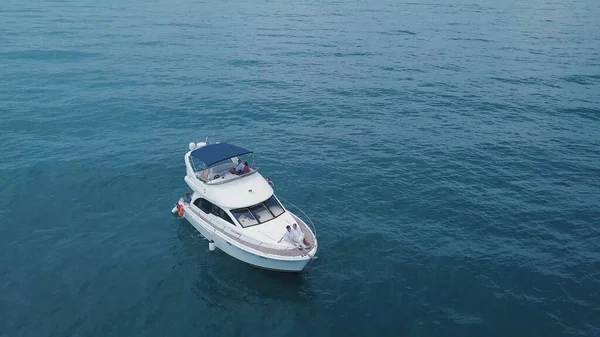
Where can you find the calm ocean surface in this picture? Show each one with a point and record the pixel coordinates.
(448, 153)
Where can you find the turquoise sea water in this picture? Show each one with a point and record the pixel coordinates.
(449, 154)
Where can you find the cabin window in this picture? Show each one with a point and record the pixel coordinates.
(261, 213)
(209, 208)
(274, 206)
(206, 206)
(244, 217)
(223, 215)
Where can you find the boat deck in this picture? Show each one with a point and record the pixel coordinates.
(262, 247)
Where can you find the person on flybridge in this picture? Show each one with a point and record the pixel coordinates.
(239, 168)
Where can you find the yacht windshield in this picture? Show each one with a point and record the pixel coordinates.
(259, 213)
(274, 206)
(244, 217)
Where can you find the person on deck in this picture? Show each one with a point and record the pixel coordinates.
(293, 238)
(246, 168)
(299, 235)
(187, 199)
(289, 236)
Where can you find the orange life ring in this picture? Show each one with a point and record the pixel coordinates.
(180, 210)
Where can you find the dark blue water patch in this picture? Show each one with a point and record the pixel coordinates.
(159, 43)
(177, 23)
(22, 10)
(470, 39)
(398, 32)
(450, 66)
(265, 84)
(338, 92)
(402, 69)
(273, 35)
(442, 85)
(353, 54)
(101, 82)
(587, 113)
(246, 63)
(527, 81)
(49, 55)
(365, 92)
(305, 53)
(582, 79)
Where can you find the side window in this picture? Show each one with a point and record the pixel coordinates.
(221, 214)
(206, 206)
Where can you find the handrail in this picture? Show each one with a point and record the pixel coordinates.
(306, 215)
(219, 182)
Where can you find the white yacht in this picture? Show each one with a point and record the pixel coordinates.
(238, 212)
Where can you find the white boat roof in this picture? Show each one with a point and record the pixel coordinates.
(243, 192)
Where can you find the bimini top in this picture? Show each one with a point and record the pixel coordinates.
(214, 153)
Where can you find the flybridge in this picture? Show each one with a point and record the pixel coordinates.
(213, 153)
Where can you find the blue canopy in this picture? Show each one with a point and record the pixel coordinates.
(214, 153)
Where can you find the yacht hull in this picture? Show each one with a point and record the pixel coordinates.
(233, 250)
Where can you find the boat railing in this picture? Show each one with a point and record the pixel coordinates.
(206, 177)
(311, 223)
(216, 181)
(263, 247)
